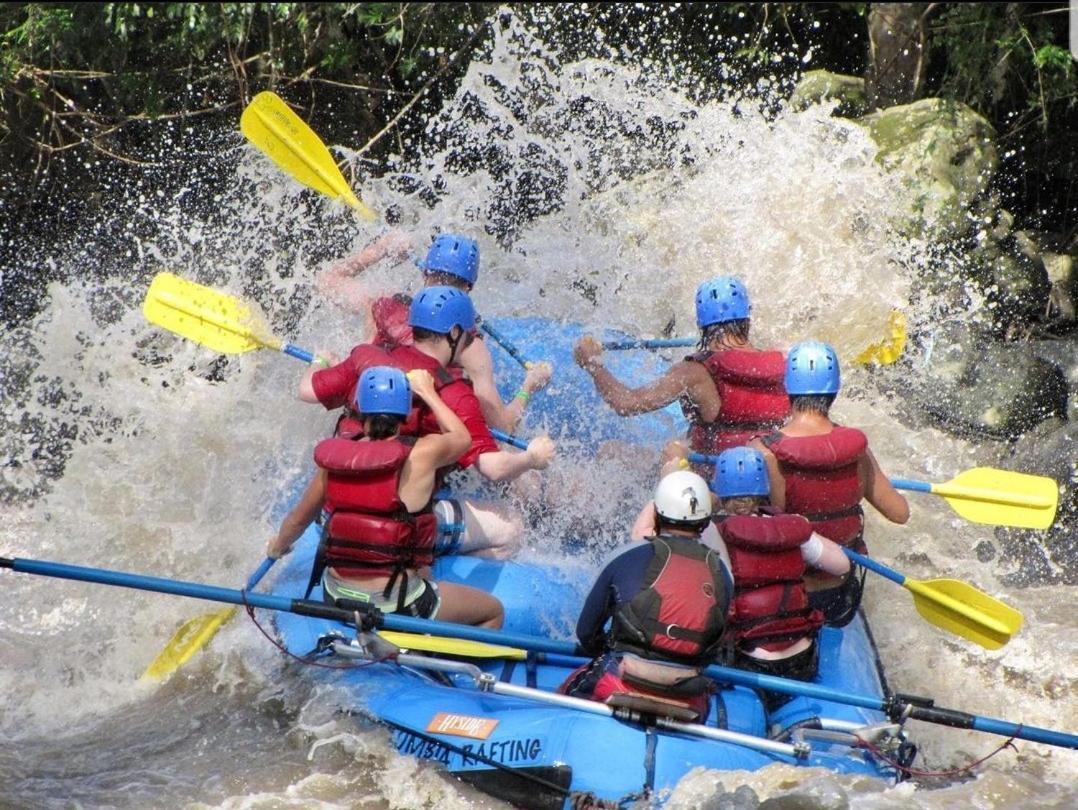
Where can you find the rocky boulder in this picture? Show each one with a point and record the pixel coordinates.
(944, 152)
(971, 386)
(823, 85)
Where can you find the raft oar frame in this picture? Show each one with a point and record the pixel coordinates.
(897, 706)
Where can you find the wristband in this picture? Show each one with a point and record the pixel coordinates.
(523, 395)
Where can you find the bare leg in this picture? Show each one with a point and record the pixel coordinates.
(466, 605)
(493, 530)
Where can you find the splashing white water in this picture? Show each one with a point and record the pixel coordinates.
(600, 193)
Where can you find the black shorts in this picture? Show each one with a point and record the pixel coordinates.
(801, 667)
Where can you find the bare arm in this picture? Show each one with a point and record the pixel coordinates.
(644, 525)
(435, 450)
(296, 521)
(774, 475)
(477, 362)
(880, 493)
(505, 466)
(339, 284)
(682, 379)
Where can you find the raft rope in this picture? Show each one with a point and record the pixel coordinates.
(877, 752)
(577, 798)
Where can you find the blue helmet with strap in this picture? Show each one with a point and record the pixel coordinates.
(439, 309)
(720, 300)
(812, 368)
(383, 390)
(453, 254)
(740, 471)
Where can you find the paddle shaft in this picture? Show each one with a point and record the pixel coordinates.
(918, 709)
(502, 341)
(659, 343)
(514, 441)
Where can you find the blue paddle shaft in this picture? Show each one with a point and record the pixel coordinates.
(298, 353)
(409, 624)
(913, 486)
(660, 343)
(500, 339)
(872, 565)
(701, 458)
(260, 572)
(515, 441)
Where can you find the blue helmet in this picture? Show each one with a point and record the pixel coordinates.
(453, 254)
(383, 390)
(439, 309)
(740, 471)
(720, 300)
(812, 368)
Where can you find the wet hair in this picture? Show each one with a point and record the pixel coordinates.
(812, 403)
(383, 425)
(440, 279)
(421, 335)
(757, 501)
(717, 331)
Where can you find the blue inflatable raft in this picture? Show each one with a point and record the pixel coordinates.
(491, 715)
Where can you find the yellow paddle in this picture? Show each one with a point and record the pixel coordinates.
(996, 497)
(451, 646)
(954, 606)
(194, 634)
(285, 138)
(887, 351)
(218, 321)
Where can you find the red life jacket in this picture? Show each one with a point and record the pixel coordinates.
(370, 531)
(678, 613)
(822, 481)
(754, 401)
(770, 606)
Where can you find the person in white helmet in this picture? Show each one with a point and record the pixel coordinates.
(665, 602)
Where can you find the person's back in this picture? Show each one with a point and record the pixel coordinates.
(826, 471)
(666, 604)
(729, 391)
(771, 628)
(377, 490)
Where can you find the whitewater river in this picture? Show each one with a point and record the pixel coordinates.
(127, 448)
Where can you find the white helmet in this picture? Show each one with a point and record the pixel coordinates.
(683, 497)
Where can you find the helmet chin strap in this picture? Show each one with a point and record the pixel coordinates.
(454, 343)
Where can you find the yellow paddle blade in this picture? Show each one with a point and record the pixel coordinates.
(192, 636)
(886, 351)
(961, 609)
(1002, 497)
(451, 646)
(220, 322)
(285, 138)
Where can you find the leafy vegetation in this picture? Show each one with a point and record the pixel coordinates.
(87, 84)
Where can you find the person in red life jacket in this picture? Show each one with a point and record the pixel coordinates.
(378, 489)
(451, 261)
(826, 471)
(729, 391)
(440, 318)
(666, 602)
(770, 627)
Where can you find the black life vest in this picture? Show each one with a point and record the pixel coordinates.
(679, 613)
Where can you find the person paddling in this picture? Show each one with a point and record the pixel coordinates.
(730, 391)
(378, 488)
(666, 602)
(451, 261)
(826, 470)
(440, 318)
(771, 628)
